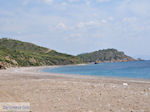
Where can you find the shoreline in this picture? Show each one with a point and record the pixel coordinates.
(95, 77)
(49, 92)
(38, 71)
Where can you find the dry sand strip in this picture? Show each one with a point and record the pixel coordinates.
(73, 93)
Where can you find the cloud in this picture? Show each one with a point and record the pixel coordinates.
(104, 21)
(48, 1)
(25, 2)
(134, 7)
(129, 19)
(64, 4)
(111, 18)
(61, 26)
(103, 0)
(74, 0)
(88, 2)
(86, 24)
(78, 23)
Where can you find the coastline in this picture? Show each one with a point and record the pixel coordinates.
(39, 71)
(51, 92)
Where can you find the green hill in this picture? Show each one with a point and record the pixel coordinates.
(106, 55)
(18, 53)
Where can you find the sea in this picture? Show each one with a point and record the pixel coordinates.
(132, 69)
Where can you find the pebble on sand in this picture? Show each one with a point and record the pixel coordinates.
(125, 84)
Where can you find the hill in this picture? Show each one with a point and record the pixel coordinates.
(106, 55)
(18, 53)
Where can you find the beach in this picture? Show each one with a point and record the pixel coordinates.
(49, 92)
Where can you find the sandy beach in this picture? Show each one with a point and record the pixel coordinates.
(48, 92)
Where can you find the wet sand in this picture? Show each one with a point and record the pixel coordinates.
(48, 92)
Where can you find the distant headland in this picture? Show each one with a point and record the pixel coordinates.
(106, 55)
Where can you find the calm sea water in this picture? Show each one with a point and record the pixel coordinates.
(136, 69)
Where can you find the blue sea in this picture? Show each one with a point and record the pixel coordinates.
(135, 69)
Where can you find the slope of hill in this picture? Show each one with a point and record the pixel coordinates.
(18, 53)
(106, 55)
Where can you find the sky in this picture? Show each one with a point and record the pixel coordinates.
(79, 26)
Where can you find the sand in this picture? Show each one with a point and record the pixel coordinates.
(48, 92)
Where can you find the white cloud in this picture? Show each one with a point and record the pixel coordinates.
(92, 23)
(89, 23)
(110, 18)
(88, 2)
(80, 25)
(61, 26)
(103, 0)
(134, 7)
(48, 1)
(64, 4)
(25, 2)
(129, 19)
(103, 25)
(73, 0)
(75, 35)
(104, 21)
